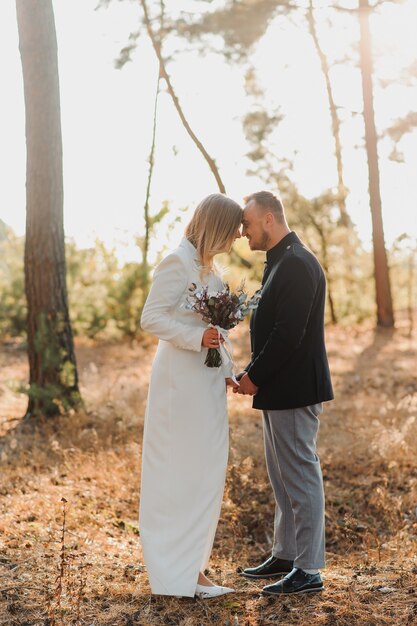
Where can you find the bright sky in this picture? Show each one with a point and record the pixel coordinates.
(107, 119)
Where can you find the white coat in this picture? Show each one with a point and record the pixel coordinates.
(185, 443)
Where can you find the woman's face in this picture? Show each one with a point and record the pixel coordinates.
(236, 235)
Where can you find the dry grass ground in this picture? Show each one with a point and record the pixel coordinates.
(95, 574)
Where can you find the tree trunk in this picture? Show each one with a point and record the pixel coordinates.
(344, 216)
(385, 314)
(147, 219)
(53, 376)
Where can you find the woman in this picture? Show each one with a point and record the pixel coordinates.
(185, 443)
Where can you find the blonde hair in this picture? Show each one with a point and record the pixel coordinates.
(212, 228)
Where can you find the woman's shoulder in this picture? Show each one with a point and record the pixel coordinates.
(179, 258)
(174, 259)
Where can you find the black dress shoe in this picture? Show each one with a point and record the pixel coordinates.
(296, 581)
(272, 568)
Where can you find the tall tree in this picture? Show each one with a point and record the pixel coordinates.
(385, 314)
(53, 376)
(145, 262)
(324, 64)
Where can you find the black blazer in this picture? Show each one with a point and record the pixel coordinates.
(289, 361)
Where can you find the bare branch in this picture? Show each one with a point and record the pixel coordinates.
(156, 45)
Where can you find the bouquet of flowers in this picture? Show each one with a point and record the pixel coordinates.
(222, 310)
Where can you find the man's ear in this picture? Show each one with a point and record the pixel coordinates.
(269, 219)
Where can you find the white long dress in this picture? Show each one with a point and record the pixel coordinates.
(185, 443)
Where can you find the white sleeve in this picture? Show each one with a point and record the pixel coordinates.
(227, 369)
(158, 315)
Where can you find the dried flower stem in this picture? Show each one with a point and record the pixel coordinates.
(62, 559)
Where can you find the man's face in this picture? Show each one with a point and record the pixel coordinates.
(253, 227)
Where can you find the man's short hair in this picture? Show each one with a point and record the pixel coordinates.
(268, 202)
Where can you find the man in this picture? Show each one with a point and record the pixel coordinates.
(288, 377)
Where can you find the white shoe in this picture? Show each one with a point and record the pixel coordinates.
(213, 591)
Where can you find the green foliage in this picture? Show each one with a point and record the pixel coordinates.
(47, 341)
(51, 398)
(105, 295)
(91, 275)
(12, 299)
(101, 293)
(125, 55)
(56, 389)
(126, 299)
(403, 261)
(240, 25)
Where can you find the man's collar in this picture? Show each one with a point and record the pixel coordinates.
(274, 254)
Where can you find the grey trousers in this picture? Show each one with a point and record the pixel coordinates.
(295, 474)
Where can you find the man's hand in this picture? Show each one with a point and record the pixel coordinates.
(238, 377)
(246, 386)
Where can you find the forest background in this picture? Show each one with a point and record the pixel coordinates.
(153, 105)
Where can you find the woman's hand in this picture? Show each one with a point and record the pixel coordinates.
(211, 338)
(233, 384)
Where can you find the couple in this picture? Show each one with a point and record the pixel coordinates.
(185, 445)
